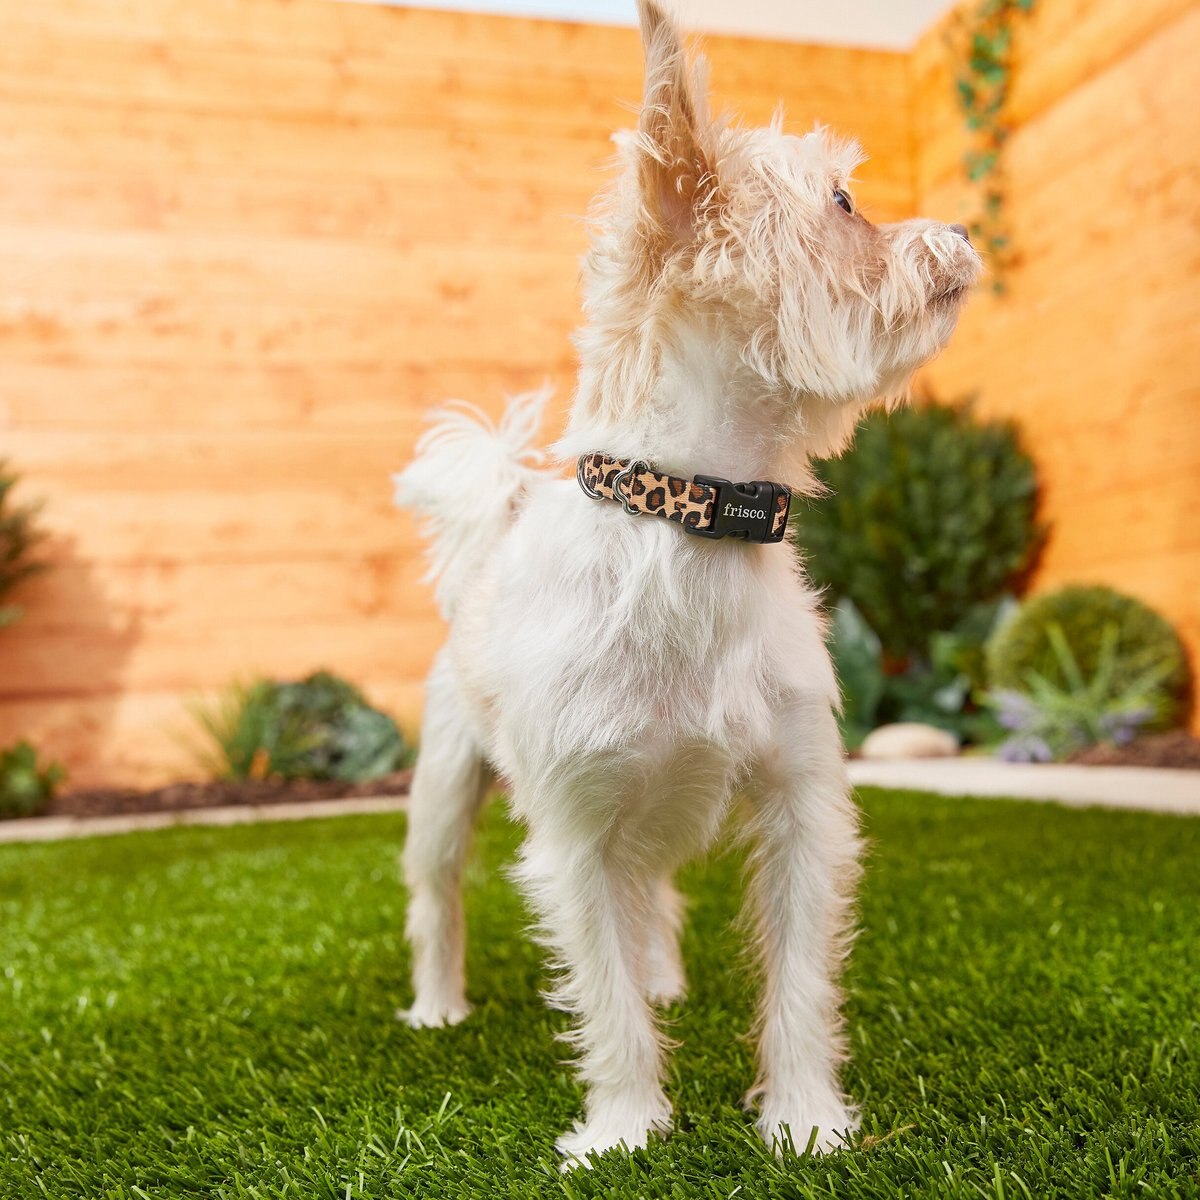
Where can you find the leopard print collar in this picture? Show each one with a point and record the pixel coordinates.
(705, 506)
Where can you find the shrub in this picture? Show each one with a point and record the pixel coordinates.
(318, 728)
(936, 688)
(1050, 720)
(25, 787)
(928, 514)
(19, 537)
(250, 738)
(1143, 642)
(856, 658)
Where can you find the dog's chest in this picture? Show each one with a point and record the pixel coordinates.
(623, 636)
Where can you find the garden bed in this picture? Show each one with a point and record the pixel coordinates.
(1178, 749)
(218, 793)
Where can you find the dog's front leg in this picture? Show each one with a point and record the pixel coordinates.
(591, 911)
(448, 789)
(805, 865)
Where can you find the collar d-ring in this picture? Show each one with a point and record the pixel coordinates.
(629, 472)
(581, 477)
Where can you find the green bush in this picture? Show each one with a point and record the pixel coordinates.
(19, 538)
(25, 787)
(936, 688)
(1051, 720)
(857, 660)
(1143, 644)
(318, 728)
(928, 514)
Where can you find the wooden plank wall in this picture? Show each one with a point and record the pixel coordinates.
(1094, 348)
(246, 243)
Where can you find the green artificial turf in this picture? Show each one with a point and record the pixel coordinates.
(203, 1012)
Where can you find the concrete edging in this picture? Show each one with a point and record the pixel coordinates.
(50, 829)
(1147, 789)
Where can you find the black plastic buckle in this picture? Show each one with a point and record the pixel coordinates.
(744, 510)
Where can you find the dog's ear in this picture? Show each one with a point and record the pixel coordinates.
(674, 169)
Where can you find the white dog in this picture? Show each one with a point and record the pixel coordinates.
(631, 679)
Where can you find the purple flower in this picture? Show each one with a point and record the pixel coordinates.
(1013, 710)
(1025, 748)
(1122, 727)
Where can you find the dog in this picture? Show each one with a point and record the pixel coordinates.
(633, 679)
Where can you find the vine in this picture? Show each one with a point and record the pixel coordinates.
(982, 83)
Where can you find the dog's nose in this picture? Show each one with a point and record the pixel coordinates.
(961, 230)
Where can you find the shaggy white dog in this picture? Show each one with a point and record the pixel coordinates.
(630, 680)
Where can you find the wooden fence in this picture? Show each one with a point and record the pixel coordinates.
(246, 244)
(1093, 348)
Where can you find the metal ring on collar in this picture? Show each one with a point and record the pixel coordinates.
(630, 471)
(581, 479)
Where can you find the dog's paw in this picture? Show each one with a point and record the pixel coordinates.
(806, 1129)
(613, 1127)
(425, 1015)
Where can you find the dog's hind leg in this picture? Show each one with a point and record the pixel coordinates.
(448, 788)
(804, 867)
(591, 914)
(662, 967)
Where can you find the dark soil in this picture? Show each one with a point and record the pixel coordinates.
(100, 802)
(1177, 749)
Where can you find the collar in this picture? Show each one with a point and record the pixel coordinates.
(705, 505)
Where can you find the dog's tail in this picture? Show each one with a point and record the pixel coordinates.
(466, 480)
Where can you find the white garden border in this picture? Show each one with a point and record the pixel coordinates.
(1150, 789)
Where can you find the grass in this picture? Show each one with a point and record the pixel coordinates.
(207, 1013)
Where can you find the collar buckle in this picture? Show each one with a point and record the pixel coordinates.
(746, 511)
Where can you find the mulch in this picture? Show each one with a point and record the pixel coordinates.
(102, 802)
(1176, 749)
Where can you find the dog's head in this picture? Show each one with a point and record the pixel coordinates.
(761, 229)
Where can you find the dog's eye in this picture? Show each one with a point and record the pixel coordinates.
(841, 197)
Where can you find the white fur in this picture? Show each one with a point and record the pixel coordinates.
(462, 442)
(634, 683)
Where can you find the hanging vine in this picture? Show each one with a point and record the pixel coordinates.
(983, 37)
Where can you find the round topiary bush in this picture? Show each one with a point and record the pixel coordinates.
(1144, 641)
(929, 513)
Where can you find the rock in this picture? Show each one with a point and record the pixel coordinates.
(909, 739)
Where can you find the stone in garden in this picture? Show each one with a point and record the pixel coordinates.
(909, 739)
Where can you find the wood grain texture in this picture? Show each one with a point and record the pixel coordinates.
(246, 246)
(1093, 347)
